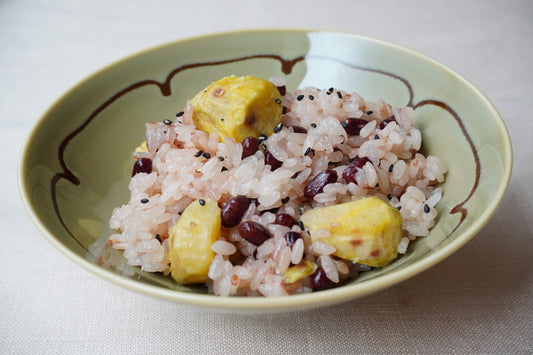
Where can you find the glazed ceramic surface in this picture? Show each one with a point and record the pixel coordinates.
(76, 163)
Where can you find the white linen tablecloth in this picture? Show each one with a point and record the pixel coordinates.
(480, 300)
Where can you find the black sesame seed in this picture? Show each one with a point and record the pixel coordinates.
(389, 196)
(331, 89)
(144, 200)
(369, 112)
(300, 97)
(201, 202)
(198, 153)
(426, 208)
(391, 168)
(278, 100)
(278, 127)
(301, 209)
(399, 208)
(301, 224)
(307, 151)
(284, 111)
(167, 122)
(285, 200)
(206, 155)
(339, 94)
(311, 97)
(313, 125)
(223, 168)
(262, 137)
(221, 120)
(377, 185)
(376, 136)
(158, 237)
(221, 158)
(179, 114)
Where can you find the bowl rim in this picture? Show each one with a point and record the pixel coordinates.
(314, 299)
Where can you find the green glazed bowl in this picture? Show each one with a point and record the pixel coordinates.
(76, 163)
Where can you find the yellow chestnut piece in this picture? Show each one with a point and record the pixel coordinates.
(141, 148)
(238, 107)
(366, 231)
(300, 271)
(191, 239)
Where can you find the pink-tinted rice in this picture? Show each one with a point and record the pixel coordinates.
(397, 173)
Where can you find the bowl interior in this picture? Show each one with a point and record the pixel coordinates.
(77, 162)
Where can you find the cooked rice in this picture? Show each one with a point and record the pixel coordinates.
(398, 173)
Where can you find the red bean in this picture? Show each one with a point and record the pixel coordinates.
(254, 232)
(316, 185)
(320, 281)
(273, 210)
(386, 121)
(233, 210)
(291, 238)
(142, 165)
(250, 145)
(299, 129)
(353, 126)
(285, 219)
(348, 175)
(272, 161)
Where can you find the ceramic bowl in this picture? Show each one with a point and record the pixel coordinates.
(76, 163)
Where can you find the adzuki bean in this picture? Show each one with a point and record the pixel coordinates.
(316, 185)
(285, 220)
(291, 238)
(272, 161)
(250, 145)
(386, 121)
(142, 165)
(353, 126)
(299, 129)
(233, 210)
(348, 175)
(254, 232)
(320, 281)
